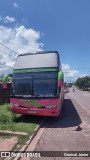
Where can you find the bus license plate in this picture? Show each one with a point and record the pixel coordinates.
(32, 112)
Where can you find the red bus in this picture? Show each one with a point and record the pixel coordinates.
(37, 84)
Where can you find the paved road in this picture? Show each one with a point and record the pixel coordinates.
(70, 131)
(82, 97)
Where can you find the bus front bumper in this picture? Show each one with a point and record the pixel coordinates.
(37, 111)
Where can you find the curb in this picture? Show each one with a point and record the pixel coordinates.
(10, 133)
(29, 141)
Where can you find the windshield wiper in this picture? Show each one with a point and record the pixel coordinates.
(35, 94)
(27, 96)
(23, 96)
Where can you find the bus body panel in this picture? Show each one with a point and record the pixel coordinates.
(37, 60)
(45, 107)
(39, 71)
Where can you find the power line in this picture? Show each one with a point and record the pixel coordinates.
(5, 50)
(6, 65)
(9, 49)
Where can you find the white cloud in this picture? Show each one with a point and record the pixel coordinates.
(19, 39)
(8, 19)
(71, 74)
(15, 5)
(23, 40)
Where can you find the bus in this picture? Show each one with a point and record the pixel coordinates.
(37, 84)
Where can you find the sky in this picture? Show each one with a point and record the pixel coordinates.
(61, 25)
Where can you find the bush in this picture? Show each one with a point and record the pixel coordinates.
(5, 115)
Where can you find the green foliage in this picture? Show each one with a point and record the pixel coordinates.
(17, 122)
(83, 82)
(5, 115)
(22, 139)
(5, 107)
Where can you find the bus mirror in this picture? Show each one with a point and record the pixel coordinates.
(60, 79)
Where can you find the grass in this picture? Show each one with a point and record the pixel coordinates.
(18, 123)
(21, 140)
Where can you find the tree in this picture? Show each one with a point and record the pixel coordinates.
(83, 82)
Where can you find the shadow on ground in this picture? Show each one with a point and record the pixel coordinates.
(29, 119)
(69, 117)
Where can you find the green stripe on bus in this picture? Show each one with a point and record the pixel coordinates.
(60, 75)
(35, 70)
(34, 103)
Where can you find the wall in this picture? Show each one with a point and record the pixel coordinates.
(5, 93)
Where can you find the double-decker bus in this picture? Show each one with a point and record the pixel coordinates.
(37, 84)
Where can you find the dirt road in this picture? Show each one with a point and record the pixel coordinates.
(70, 131)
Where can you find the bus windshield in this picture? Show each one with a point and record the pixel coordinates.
(43, 84)
(22, 86)
(44, 87)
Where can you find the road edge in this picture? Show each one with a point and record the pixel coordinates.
(30, 140)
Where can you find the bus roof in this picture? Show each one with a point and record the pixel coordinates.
(38, 60)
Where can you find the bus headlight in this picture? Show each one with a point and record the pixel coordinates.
(14, 104)
(51, 106)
